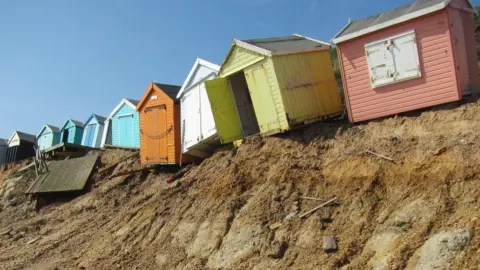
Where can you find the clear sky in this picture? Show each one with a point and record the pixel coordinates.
(66, 59)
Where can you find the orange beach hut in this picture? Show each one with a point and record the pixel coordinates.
(160, 136)
(415, 56)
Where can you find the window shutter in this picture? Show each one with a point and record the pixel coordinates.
(380, 64)
(405, 53)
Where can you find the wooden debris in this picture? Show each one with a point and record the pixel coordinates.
(316, 208)
(330, 244)
(118, 162)
(380, 156)
(179, 174)
(33, 240)
(5, 232)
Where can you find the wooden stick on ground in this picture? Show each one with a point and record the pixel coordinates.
(316, 208)
(378, 155)
(313, 199)
(117, 162)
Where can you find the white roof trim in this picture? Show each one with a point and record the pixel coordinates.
(124, 101)
(386, 24)
(312, 39)
(251, 47)
(45, 126)
(199, 62)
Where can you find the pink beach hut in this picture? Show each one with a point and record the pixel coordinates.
(416, 56)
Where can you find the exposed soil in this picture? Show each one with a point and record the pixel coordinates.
(240, 208)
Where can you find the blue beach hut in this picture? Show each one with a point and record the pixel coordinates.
(122, 127)
(93, 130)
(72, 132)
(48, 136)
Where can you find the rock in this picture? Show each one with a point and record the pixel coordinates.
(437, 251)
(275, 226)
(330, 244)
(278, 249)
(290, 216)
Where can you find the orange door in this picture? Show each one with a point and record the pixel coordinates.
(155, 135)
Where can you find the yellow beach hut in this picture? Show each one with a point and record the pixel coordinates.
(269, 85)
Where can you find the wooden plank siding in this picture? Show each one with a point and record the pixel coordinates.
(172, 125)
(238, 59)
(126, 110)
(308, 86)
(438, 83)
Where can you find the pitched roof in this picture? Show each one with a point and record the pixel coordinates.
(133, 101)
(77, 123)
(53, 128)
(26, 137)
(3, 142)
(170, 90)
(286, 44)
(198, 63)
(100, 119)
(379, 21)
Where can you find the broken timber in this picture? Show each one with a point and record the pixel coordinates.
(378, 155)
(316, 208)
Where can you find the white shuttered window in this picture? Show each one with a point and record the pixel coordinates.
(393, 59)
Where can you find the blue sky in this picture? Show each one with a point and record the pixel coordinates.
(66, 59)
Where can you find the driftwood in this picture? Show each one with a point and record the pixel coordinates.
(117, 162)
(316, 208)
(378, 155)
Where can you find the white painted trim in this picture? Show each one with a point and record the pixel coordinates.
(390, 37)
(119, 106)
(198, 62)
(105, 132)
(389, 23)
(343, 29)
(315, 40)
(250, 47)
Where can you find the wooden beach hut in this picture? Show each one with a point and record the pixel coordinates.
(160, 125)
(3, 150)
(122, 127)
(415, 56)
(197, 124)
(20, 147)
(269, 85)
(72, 132)
(48, 136)
(93, 131)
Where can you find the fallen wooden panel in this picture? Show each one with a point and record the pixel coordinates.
(65, 175)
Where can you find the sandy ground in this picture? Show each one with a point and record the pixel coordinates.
(240, 208)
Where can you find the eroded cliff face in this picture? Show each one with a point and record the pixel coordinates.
(240, 209)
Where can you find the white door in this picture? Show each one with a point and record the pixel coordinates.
(207, 121)
(191, 118)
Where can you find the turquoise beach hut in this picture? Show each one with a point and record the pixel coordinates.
(93, 131)
(72, 132)
(122, 127)
(48, 136)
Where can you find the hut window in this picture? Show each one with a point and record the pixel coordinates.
(393, 59)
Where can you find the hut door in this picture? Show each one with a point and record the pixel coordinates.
(90, 133)
(223, 109)
(156, 135)
(125, 128)
(65, 136)
(262, 98)
(244, 104)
